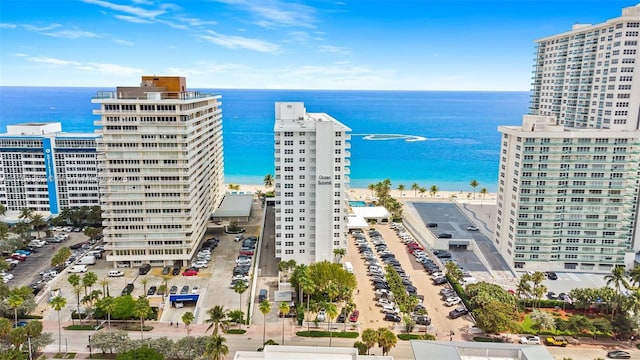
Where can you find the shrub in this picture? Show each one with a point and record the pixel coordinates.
(340, 334)
(416, 337)
(486, 339)
(236, 331)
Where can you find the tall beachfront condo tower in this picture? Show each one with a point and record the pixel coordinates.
(161, 169)
(568, 177)
(47, 170)
(312, 184)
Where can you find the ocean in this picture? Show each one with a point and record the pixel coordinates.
(442, 138)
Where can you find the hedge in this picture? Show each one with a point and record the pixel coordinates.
(336, 334)
(416, 337)
(486, 339)
(236, 331)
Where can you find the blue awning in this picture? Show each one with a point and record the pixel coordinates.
(174, 298)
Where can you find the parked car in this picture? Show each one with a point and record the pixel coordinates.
(152, 290)
(173, 290)
(322, 314)
(440, 281)
(115, 273)
(432, 225)
(392, 317)
(166, 270)
(458, 312)
(144, 269)
(551, 275)
(473, 228)
(556, 341)
(190, 272)
(18, 257)
(618, 354)
(445, 236)
(530, 340)
(354, 316)
(195, 289)
(175, 271)
(127, 290)
(184, 290)
(452, 301)
(422, 320)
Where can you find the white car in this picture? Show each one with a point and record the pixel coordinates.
(200, 264)
(472, 228)
(322, 315)
(240, 277)
(452, 301)
(530, 340)
(383, 302)
(195, 289)
(436, 275)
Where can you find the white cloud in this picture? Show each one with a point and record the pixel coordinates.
(8, 26)
(332, 49)
(274, 13)
(40, 28)
(104, 68)
(71, 34)
(133, 10)
(195, 21)
(123, 42)
(53, 61)
(239, 42)
(133, 19)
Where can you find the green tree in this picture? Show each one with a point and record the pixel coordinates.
(14, 301)
(265, 308)
(618, 279)
(454, 271)
(215, 348)
(362, 347)
(339, 253)
(474, 184)
(386, 340)
(433, 190)
(91, 232)
(38, 222)
(144, 281)
(3, 210)
(140, 353)
(239, 287)
(187, 319)
(370, 338)
(88, 280)
(25, 214)
(58, 303)
(107, 304)
(484, 192)
(268, 181)
(141, 310)
(332, 312)
(495, 317)
(422, 190)
(415, 187)
(401, 187)
(284, 310)
(60, 257)
(217, 319)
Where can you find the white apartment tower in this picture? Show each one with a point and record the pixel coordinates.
(312, 184)
(161, 168)
(45, 169)
(568, 177)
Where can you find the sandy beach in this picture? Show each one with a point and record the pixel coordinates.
(407, 194)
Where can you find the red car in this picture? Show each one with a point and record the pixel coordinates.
(246, 252)
(18, 257)
(190, 272)
(354, 316)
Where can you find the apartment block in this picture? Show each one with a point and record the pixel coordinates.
(46, 170)
(161, 167)
(568, 177)
(311, 184)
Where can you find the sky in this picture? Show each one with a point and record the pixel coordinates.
(478, 45)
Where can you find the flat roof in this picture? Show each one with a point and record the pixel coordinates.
(234, 205)
(459, 350)
(357, 222)
(371, 211)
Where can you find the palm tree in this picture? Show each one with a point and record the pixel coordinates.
(217, 319)
(88, 280)
(386, 340)
(25, 214)
(484, 192)
(422, 190)
(215, 348)
(14, 301)
(308, 286)
(58, 303)
(415, 187)
(187, 319)
(372, 187)
(474, 184)
(105, 286)
(37, 221)
(618, 279)
(144, 283)
(77, 289)
(524, 288)
(332, 312)
(3, 210)
(108, 305)
(268, 181)
(339, 253)
(370, 338)
(284, 310)
(634, 275)
(401, 188)
(239, 287)
(433, 190)
(141, 310)
(265, 308)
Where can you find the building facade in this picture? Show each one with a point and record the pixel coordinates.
(161, 169)
(568, 177)
(47, 170)
(311, 184)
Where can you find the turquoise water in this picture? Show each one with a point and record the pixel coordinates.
(357, 203)
(442, 138)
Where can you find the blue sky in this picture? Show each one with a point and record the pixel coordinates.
(274, 44)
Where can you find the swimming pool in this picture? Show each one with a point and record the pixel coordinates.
(357, 203)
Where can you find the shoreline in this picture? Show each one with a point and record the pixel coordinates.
(407, 194)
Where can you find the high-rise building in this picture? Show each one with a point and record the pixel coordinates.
(161, 169)
(311, 184)
(47, 170)
(568, 177)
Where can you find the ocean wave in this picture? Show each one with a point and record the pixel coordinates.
(407, 138)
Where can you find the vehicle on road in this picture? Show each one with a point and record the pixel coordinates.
(78, 269)
(152, 290)
(127, 290)
(445, 236)
(473, 228)
(556, 341)
(618, 354)
(432, 225)
(458, 312)
(530, 340)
